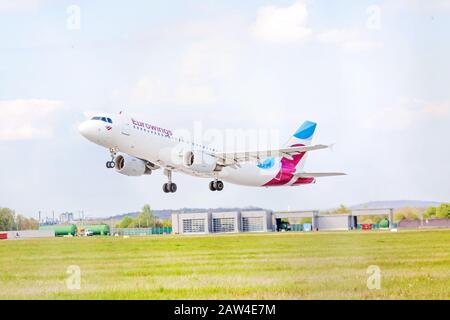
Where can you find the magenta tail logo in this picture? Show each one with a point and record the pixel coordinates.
(287, 171)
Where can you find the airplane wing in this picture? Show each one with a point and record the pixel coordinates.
(234, 158)
(318, 174)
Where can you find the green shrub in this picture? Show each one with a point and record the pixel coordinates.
(443, 211)
(406, 213)
(430, 213)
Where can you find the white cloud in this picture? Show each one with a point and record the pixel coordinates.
(335, 36)
(282, 25)
(151, 90)
(426, 7)
(194, 95)
(27, 119)
(19, 5)
(349, 40)
(209, 59)
(406, 113)
(361, 46)
(200, 66)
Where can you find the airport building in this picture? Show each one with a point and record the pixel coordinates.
(221, 222)
(264, 221)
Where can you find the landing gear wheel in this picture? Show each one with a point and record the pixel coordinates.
(218, 185)
(170, 187)
(110, 164)
(166, 188)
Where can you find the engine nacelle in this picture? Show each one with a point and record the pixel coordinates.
(131, 166)
(199, 161)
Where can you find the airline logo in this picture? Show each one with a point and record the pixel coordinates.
(269, 163)
(289, 166)
(148, 126)
(109, 128)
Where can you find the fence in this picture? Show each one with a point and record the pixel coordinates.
(426, 223)
(140, 231)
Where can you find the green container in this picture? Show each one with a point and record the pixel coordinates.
(61, 230)
(98, 229)
(384, 223)
(161, 230)
(297, 227)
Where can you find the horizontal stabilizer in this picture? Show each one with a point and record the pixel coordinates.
(318, 174)
(303, 149)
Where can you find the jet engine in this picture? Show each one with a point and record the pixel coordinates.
(200, 162)
(131, 166)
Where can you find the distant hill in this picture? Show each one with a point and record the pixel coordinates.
(166, 213)
(396, 204)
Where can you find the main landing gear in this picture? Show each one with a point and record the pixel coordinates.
(216, 185)
(169, 187)
(111, 164)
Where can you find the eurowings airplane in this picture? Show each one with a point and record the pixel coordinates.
(139, 148)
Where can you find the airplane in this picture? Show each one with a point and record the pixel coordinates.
(138, 148)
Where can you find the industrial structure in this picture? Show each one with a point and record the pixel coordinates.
(347, 221)
(66, 217)
(221, 222)
(263, 221)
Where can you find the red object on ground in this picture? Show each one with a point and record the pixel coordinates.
(366, 226)
(3, 236)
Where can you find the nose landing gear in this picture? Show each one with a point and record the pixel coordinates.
(111, 164)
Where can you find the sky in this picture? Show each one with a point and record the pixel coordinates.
(373, 74)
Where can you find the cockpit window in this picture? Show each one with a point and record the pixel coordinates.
(104, 119)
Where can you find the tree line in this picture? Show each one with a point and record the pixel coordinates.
(9, 220)
(145, 219)
(440, 212)
(443, 211)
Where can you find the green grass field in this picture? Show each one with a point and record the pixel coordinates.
(333, 265)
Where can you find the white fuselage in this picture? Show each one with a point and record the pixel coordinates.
(160, 147)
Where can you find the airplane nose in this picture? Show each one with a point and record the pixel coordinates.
(87, 130)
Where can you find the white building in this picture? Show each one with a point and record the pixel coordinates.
(221, 222)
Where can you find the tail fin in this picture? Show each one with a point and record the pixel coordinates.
(303, 136)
